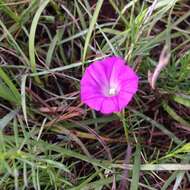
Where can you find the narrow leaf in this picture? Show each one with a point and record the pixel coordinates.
(136, 169)
(6, 119)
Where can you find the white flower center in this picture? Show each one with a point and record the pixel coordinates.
(112, 91)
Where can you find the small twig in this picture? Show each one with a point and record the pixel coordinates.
(38, 98)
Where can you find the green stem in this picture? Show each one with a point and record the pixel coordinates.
(122, 117)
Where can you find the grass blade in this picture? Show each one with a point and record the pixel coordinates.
(91, 27)
(23, 97)
(174, 115)
(32, 37)
(136, 169)
(7, 118)
(159, 126)
(6, 93)
(182, 100)
(10, 84)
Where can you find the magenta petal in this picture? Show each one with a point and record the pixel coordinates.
(97, 73)
(109, 105)
(118, 68)
(127, 74)
(88, 80)
(123, 99)
(130, 86)
(108, 65)
(95, 103)
(88, 92)
(111, 63)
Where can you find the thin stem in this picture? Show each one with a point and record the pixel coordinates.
(125, 126)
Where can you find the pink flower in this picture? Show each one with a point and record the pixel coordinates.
(108, 85)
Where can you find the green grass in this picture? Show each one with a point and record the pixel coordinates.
(48, 139)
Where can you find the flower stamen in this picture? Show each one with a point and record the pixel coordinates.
(112, 91)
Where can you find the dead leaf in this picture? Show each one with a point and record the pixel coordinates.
(163, 61)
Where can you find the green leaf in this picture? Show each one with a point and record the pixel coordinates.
(6, 93)
(4, 8)
(174, 115)
(91, 27)
(6, 119)
(136, 169)
(182, 99)
(32, 37)
(11, 86)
